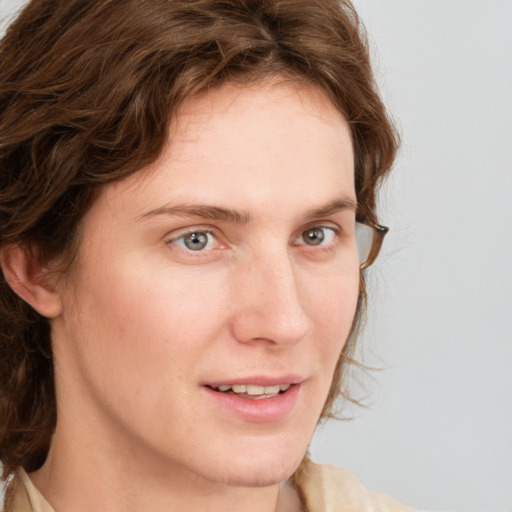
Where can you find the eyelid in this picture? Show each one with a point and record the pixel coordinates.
(176, 233)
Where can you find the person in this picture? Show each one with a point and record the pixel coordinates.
(187, 208)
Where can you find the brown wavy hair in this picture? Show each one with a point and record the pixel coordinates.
(87, 91)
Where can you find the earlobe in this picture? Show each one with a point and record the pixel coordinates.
(25, 275)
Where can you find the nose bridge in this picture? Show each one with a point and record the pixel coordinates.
(269, 299)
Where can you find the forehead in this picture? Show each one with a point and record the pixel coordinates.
(248, 147)
(259, 119)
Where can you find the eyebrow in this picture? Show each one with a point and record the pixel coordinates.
(241, 216)
(202, 211)
(340, 204)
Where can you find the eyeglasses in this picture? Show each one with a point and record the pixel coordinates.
(369, 238)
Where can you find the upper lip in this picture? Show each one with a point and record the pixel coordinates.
(257, 380)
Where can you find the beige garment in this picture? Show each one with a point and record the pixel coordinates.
(323, 488)
(22, 496)
(329, 488)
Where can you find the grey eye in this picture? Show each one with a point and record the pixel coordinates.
(196, 241)
(313, 236)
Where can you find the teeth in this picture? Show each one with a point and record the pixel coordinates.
(254, 390)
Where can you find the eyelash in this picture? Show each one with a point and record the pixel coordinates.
(334, 234)
(183, 236)
(321, 246)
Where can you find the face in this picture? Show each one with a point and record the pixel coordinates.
(214, 290)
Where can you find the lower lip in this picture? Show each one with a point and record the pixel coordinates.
(260, 410)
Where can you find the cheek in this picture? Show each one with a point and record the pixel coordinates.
(146, 316)
(332, 297)
(137, 335)
(334, 306)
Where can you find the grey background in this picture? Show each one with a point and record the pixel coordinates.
(437, 432)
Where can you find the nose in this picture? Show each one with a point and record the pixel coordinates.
(269, 302)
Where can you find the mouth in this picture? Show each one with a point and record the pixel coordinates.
(257, 400)
(252, 391)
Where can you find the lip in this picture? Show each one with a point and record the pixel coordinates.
(263, 410)
(257, 380)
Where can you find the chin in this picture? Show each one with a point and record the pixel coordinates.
(254, 477)
(265, 468)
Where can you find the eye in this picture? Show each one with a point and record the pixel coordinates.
(318, 236)
(195, 240)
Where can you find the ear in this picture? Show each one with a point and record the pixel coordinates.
(25, 275)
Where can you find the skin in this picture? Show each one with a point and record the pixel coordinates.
(141, 323)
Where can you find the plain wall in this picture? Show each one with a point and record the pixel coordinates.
(438, 433)
(438, 430)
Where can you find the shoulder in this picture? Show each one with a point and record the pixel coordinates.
(328, 488)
